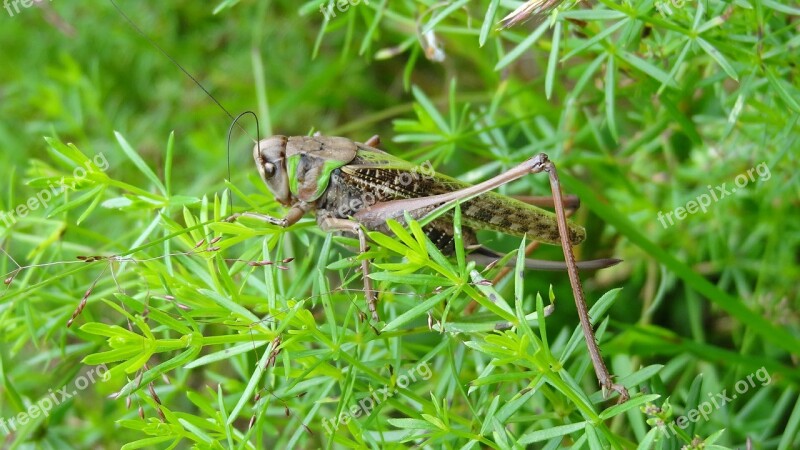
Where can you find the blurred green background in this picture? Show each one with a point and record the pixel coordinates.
(642, 110)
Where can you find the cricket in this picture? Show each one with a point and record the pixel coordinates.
(330, 177)
(324, 175)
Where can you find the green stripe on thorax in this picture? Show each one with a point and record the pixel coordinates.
(309, 176)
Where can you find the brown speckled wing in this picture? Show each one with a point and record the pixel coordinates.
(490, 211)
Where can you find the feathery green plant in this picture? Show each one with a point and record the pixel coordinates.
(243, 335)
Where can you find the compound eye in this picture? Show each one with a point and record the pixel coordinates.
(269, 169)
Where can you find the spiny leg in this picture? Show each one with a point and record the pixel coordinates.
(326, 224)
(603, 375)
(281, 222)
(374, 216)
(331, 224)
(295, 213)
(369, 292)
(486, 256)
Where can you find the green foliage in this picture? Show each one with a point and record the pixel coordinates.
(244, 335)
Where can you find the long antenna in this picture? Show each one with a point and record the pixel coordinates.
(230, 129)
(234, 120)
(174, 61)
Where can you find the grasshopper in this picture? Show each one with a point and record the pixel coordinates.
(332, 177)
(351, 187)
